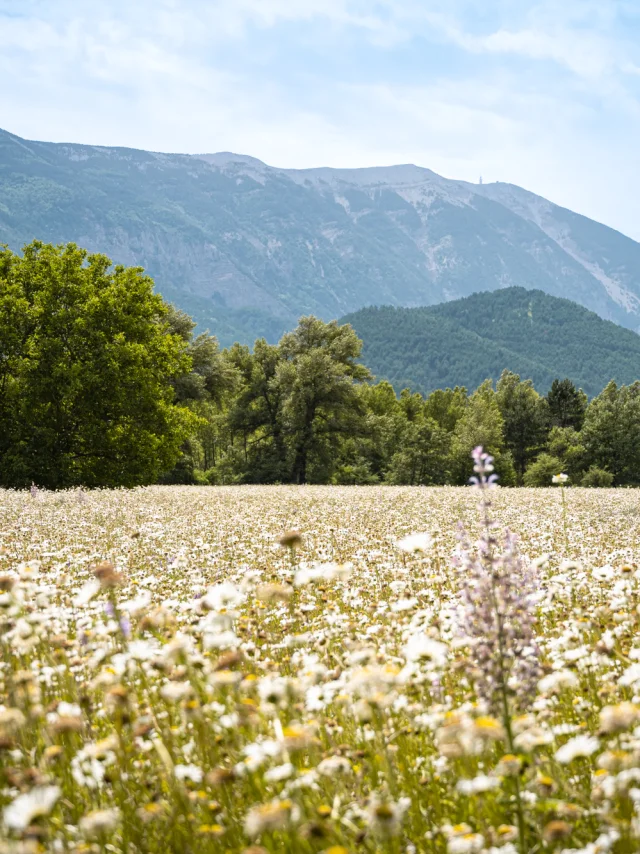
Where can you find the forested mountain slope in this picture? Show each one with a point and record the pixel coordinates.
(466, 341)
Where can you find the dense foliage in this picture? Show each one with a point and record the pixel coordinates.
(86, 371)
(465, 341)
(104, 384)
(305, 410)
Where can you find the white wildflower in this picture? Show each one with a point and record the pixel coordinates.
(580, 745)
(176, 691)
(420, 647)
(415, 543)
(317, 572)
(188, 772)
(30, 806)
(468, 843)
(271, 816)
(630, 677)
(280, 772)
(557, 681)
(481, 783)
(99, 822)
(87, 593)
(223, 597)
(334, 765)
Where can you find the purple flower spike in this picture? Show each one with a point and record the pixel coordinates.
(498, 607)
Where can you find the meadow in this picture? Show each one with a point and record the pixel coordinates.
(290, 669)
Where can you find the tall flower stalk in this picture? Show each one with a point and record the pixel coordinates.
(499, 616)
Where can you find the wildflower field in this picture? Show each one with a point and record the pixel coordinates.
(179, 674)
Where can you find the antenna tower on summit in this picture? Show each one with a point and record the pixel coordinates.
(480, 181)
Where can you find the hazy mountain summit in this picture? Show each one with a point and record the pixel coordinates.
(247, 248)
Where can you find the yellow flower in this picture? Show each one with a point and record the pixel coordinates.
(150, 811)
(488, 728)
(211, 829)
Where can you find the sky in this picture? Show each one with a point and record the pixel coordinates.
(544, 94)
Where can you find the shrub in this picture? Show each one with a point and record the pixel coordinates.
(541, 472)
(597, 477)
(351, 474)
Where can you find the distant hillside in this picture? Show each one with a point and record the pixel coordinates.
(465, 341)
(247, 248)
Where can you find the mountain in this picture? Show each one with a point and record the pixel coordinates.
(469, 340)
(247, 248)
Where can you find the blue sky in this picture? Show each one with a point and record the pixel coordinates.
(542, 94)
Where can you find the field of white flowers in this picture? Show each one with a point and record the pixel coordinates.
(178, 676)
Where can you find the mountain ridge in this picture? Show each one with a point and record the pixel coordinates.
(247, 248)
(466, 341)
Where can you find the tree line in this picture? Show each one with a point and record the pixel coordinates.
(104, 384)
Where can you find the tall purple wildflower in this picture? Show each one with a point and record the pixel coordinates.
(498, 609)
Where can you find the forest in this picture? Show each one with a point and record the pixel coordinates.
(104, 384)
(306, 411)
(464, 341)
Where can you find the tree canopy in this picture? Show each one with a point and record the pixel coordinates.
(87, 366)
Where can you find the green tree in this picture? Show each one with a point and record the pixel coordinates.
(318, 378)
(446, 407)
(481, 424)
(86, 372)
(596, 477)
(541, 472)
(411, 404)
(565, 444)
(256, 418)
(423, 455)
(299, 404)
(567, 405)
(205, 390)
(525, 417)
(212, 374)
(611, 432)
(365, 457)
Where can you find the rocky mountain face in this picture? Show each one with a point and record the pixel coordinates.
(247, 248)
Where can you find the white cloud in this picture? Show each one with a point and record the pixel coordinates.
(586, 54)
(553, 32)
(157, 76)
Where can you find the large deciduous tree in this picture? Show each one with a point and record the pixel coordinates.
(87, 366)
(423, 455)
(298, 402)
(205, 390)
(256, 415)
(318, 377)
